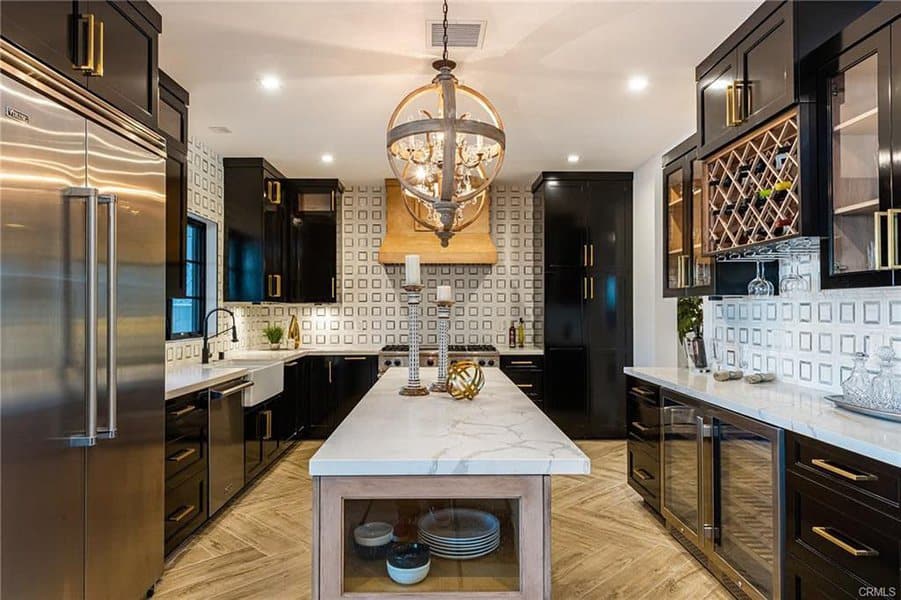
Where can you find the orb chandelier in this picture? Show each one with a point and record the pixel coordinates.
(445, 146)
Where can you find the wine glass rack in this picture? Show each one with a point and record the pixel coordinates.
(753, 189)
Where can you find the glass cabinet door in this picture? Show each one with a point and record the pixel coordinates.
(681, 477)
(674, 213)
(701, 266)
(858, 165)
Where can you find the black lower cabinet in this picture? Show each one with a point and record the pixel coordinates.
(187, 485)
(294, 417)
(526, 373)
(254, 430)
(336, 385)
(643, 430)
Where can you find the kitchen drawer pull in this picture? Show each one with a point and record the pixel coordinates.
(183, 512)
(842, 471)
(642, 474)
(643, 392)
(292, 364)
(229, 391)
(640, 427)
(183, 411)
(833, 539)
(525, 386)
(355, 358)
(521, 362)
(180, 456)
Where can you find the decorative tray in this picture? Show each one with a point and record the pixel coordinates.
(839, 402)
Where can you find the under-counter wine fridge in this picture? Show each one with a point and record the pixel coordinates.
(723, 492)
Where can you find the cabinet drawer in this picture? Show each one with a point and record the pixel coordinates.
(643, 475)
(804, 583)
(522, 362)
(184, 454)
(529, 381)
(866, 480)
(847, 542)
(185, 508)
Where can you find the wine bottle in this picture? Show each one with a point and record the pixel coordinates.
(511, 335)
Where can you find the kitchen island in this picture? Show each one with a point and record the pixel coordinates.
(396, 459)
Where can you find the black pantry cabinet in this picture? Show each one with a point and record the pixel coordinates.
(173, 125)
(255, 229)
(337, 384)
(754, 74)
(313, 208)
(588, 299)
(107, 47)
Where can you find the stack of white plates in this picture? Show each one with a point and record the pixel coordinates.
(460, 533)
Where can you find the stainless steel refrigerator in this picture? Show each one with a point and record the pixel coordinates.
(82, 203)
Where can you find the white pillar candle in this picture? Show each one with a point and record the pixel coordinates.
(411, 264)
(444, 293)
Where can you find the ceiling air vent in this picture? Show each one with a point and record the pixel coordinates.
(460, 34)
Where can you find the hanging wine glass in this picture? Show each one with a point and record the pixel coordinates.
(760, 287)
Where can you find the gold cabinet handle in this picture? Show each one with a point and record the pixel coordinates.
(832, 538)
(729, 91)
(278, 192)
(98, 65)
(354, 358)
(842, 471)
(584, 288)
(584, 255)
(893, 238)
(329, 363)
(732, 116)
(525, 386)
(180, 456)
(333, 288)
(86, 22)
(183, 411)
(591, 255)
(642, 474)
(333, 201)
(641, 428)
(274, 285)
(180, 514)
(591, 288)
(267, 415)
(877, 239)
(521, 362)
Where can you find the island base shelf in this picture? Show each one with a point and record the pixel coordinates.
(518, 569)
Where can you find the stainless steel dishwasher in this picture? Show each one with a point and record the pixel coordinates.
(226, 434)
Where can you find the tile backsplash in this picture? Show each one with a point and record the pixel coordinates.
(808, 339)
(372, 308)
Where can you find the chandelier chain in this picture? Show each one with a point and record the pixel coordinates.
(444, 24)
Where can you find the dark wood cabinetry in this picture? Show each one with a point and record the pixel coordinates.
(843, 525)
(261, 436)
(107, 47)
(527, 373)
(255, 228)
(295, 418)
(186, 466)
(754, 74)
(312, 242)
(337, 384)
(643, 431)
(588, 299)
(174, 127)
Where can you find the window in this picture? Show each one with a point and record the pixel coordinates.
(186, 314)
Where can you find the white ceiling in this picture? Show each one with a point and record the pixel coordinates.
(555, 70)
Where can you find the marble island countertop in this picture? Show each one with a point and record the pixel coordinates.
(799, 409)
(501, 432)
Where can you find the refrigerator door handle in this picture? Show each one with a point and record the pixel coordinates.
(112, 362)
(89, 196)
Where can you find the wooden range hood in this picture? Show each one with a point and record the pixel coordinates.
(472, 246)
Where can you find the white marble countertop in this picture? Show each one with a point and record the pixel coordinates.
(527, 351)
(501, 432)
(792, 407)
(192, 378)
(183, 380)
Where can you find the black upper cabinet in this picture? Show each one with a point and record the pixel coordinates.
(254, 231)
(753, 75)
(313, 207)
(109, 47)
(588, 299)
(175, 129)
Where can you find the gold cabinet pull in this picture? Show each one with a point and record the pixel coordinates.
(525, 386)
(832, 538)
(98, 64)
(86, 22)
(591, 288)
(267, 415)
(333, 201)
(893, 238)
(842, 471)
(183, 411)
(278, 192)
(274, 285)
(181, 513)
(641, 428)
(732, 109)
(591, 255)
(329, 363)
(354, 358)
(877, 239)
(642, 474)
(729, 91)
(333, 288)
(584, 288)
(584, 255)
(521, 362)
(180, 456)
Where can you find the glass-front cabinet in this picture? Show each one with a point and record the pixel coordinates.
(687, 271)
(681, 466)
(855, 117)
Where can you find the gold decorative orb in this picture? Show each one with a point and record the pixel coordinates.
(465, 380)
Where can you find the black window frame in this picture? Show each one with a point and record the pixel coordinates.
(201, 269)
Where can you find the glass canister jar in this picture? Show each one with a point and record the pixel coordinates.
(883, 386)
(856, 388)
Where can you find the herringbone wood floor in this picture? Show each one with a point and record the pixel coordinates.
(605, 544)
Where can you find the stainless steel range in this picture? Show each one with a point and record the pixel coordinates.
(396, 355)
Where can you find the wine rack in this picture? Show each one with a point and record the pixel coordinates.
(752, 188)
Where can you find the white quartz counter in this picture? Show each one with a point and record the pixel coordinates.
(527, 351)
(795, 408)
(500, 432)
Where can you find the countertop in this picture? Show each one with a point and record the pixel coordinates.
(799, 409)
(500, 432)
(527, 351)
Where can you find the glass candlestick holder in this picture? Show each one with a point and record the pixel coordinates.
(444, 310)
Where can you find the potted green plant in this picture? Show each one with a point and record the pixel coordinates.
(274, 334)
(690, 324)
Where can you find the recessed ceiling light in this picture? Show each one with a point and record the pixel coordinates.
(270, 82)
(573, 158)
(328, 158)
(637, 83)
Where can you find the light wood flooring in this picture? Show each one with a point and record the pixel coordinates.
(606, 545)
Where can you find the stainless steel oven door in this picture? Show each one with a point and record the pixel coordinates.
(744, 535)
